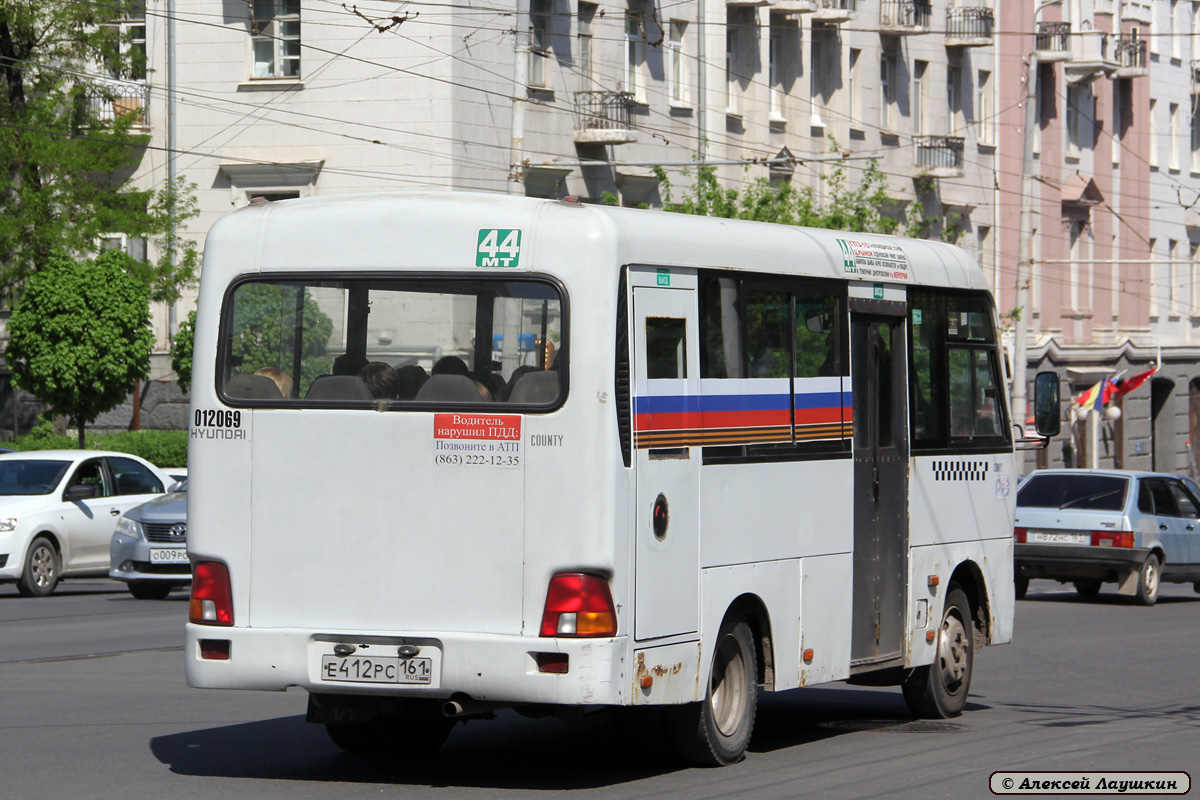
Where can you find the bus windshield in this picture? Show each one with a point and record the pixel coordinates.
(414, 342)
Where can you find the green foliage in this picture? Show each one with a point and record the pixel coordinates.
(80, 336)
(857, 208)
(163, 448)
(67, 127)
(947, 227)
(181, 352)
(264, 332)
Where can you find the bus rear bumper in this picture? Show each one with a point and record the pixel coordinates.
(487, 668)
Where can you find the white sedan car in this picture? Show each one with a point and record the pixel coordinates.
(58, 510)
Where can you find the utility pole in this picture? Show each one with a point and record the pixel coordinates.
(1025, 249)
(172, 167)
(520, 89)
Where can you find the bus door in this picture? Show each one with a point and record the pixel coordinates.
(666, 369)
(878, 371)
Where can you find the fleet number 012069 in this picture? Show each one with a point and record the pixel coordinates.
(377, 669)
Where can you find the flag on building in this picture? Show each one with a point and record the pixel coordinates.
(1096, 396)
(1126, 386)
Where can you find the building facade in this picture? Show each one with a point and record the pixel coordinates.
(289, 98)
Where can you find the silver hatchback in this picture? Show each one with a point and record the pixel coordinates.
(149, 547)
(1092, 526)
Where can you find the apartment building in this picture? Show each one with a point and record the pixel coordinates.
(287, 98)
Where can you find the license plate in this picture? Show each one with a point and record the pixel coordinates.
(1058, 538)
(168, 555)
(377, 669)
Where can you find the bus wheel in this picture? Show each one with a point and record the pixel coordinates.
(716, 731)
(1020, 586)
(1147, 588)
(939, 690)
(417, 728)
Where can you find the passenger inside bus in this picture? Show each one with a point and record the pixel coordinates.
(281, 378)
(381, 380)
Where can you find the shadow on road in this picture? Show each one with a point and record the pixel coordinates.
(510, 752)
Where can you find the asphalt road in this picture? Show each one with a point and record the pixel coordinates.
(93, 704)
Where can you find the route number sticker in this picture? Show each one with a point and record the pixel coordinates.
(498, 247)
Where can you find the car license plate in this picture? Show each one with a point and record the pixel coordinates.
(168, 555)
(1058, 538)
(377, 669)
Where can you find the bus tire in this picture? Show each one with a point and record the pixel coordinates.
(715, 731)
(1148, 578)
(939, 690)
(40, 576)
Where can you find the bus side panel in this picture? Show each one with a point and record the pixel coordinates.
(777, 585)
(766, 512)
(825, 612)
(958, 498)
(993, 558)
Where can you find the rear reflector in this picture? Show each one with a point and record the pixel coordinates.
(212, 595)
(1112, 538)
(214, 649)
(555, 663)
(1019, 535)
(578, 604)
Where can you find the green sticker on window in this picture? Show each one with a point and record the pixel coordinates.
(916, 316)
(878, 294)
(498, 247)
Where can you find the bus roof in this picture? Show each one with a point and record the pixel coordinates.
(446, 230)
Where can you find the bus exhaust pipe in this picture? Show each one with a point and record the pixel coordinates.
(463, 706)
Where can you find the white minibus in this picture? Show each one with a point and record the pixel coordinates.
(452, 453)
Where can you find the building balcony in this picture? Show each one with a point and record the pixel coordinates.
(1052, 41)
(1130, 54)
(836, 10)
(794, 6)
(115, 99)
(939, 156)
(1136, 11)
(970, 27)
(905, 17)
(603, 118)
(1091, 57)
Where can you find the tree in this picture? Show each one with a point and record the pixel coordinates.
(181, 352)
(80, 335)
(69, 119)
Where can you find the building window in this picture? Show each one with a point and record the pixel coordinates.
(539, 41)
(635, 48)
(1176, 31)
(782, 64)
(131, 31)
(953, 99)
(587, 13)
(275, 38)
(887, 92)
(1175, 137)
(1173, 282)
(1118, 109)
(1195, 162)
(985, 107)
(1079, 105)
(1153, 134)
(1194, 275)
(855, 87)
(918, 97)
(677, 78)
(823, 71)
(1156, 282)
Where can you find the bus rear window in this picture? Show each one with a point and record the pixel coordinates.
(406, 342)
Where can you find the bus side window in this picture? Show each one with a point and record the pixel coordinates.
(666, 347)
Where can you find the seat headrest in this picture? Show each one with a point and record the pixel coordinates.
(252, 387)
(338, 387)
(450, 389)
(535, 388)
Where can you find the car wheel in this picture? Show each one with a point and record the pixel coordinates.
(1147, 587)
(419, 728)
(716, 731)
(1020, 586)
(40, 575)
(1087, 589)
(150, 591)
(939, 690)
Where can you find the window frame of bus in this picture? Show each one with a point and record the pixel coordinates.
(794, 286)
(934, 320)
(317, 278)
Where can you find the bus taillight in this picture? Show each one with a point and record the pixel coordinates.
(212, 595)
(578, 604)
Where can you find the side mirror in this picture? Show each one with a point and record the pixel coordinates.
(1046, 417)
(81, 491)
